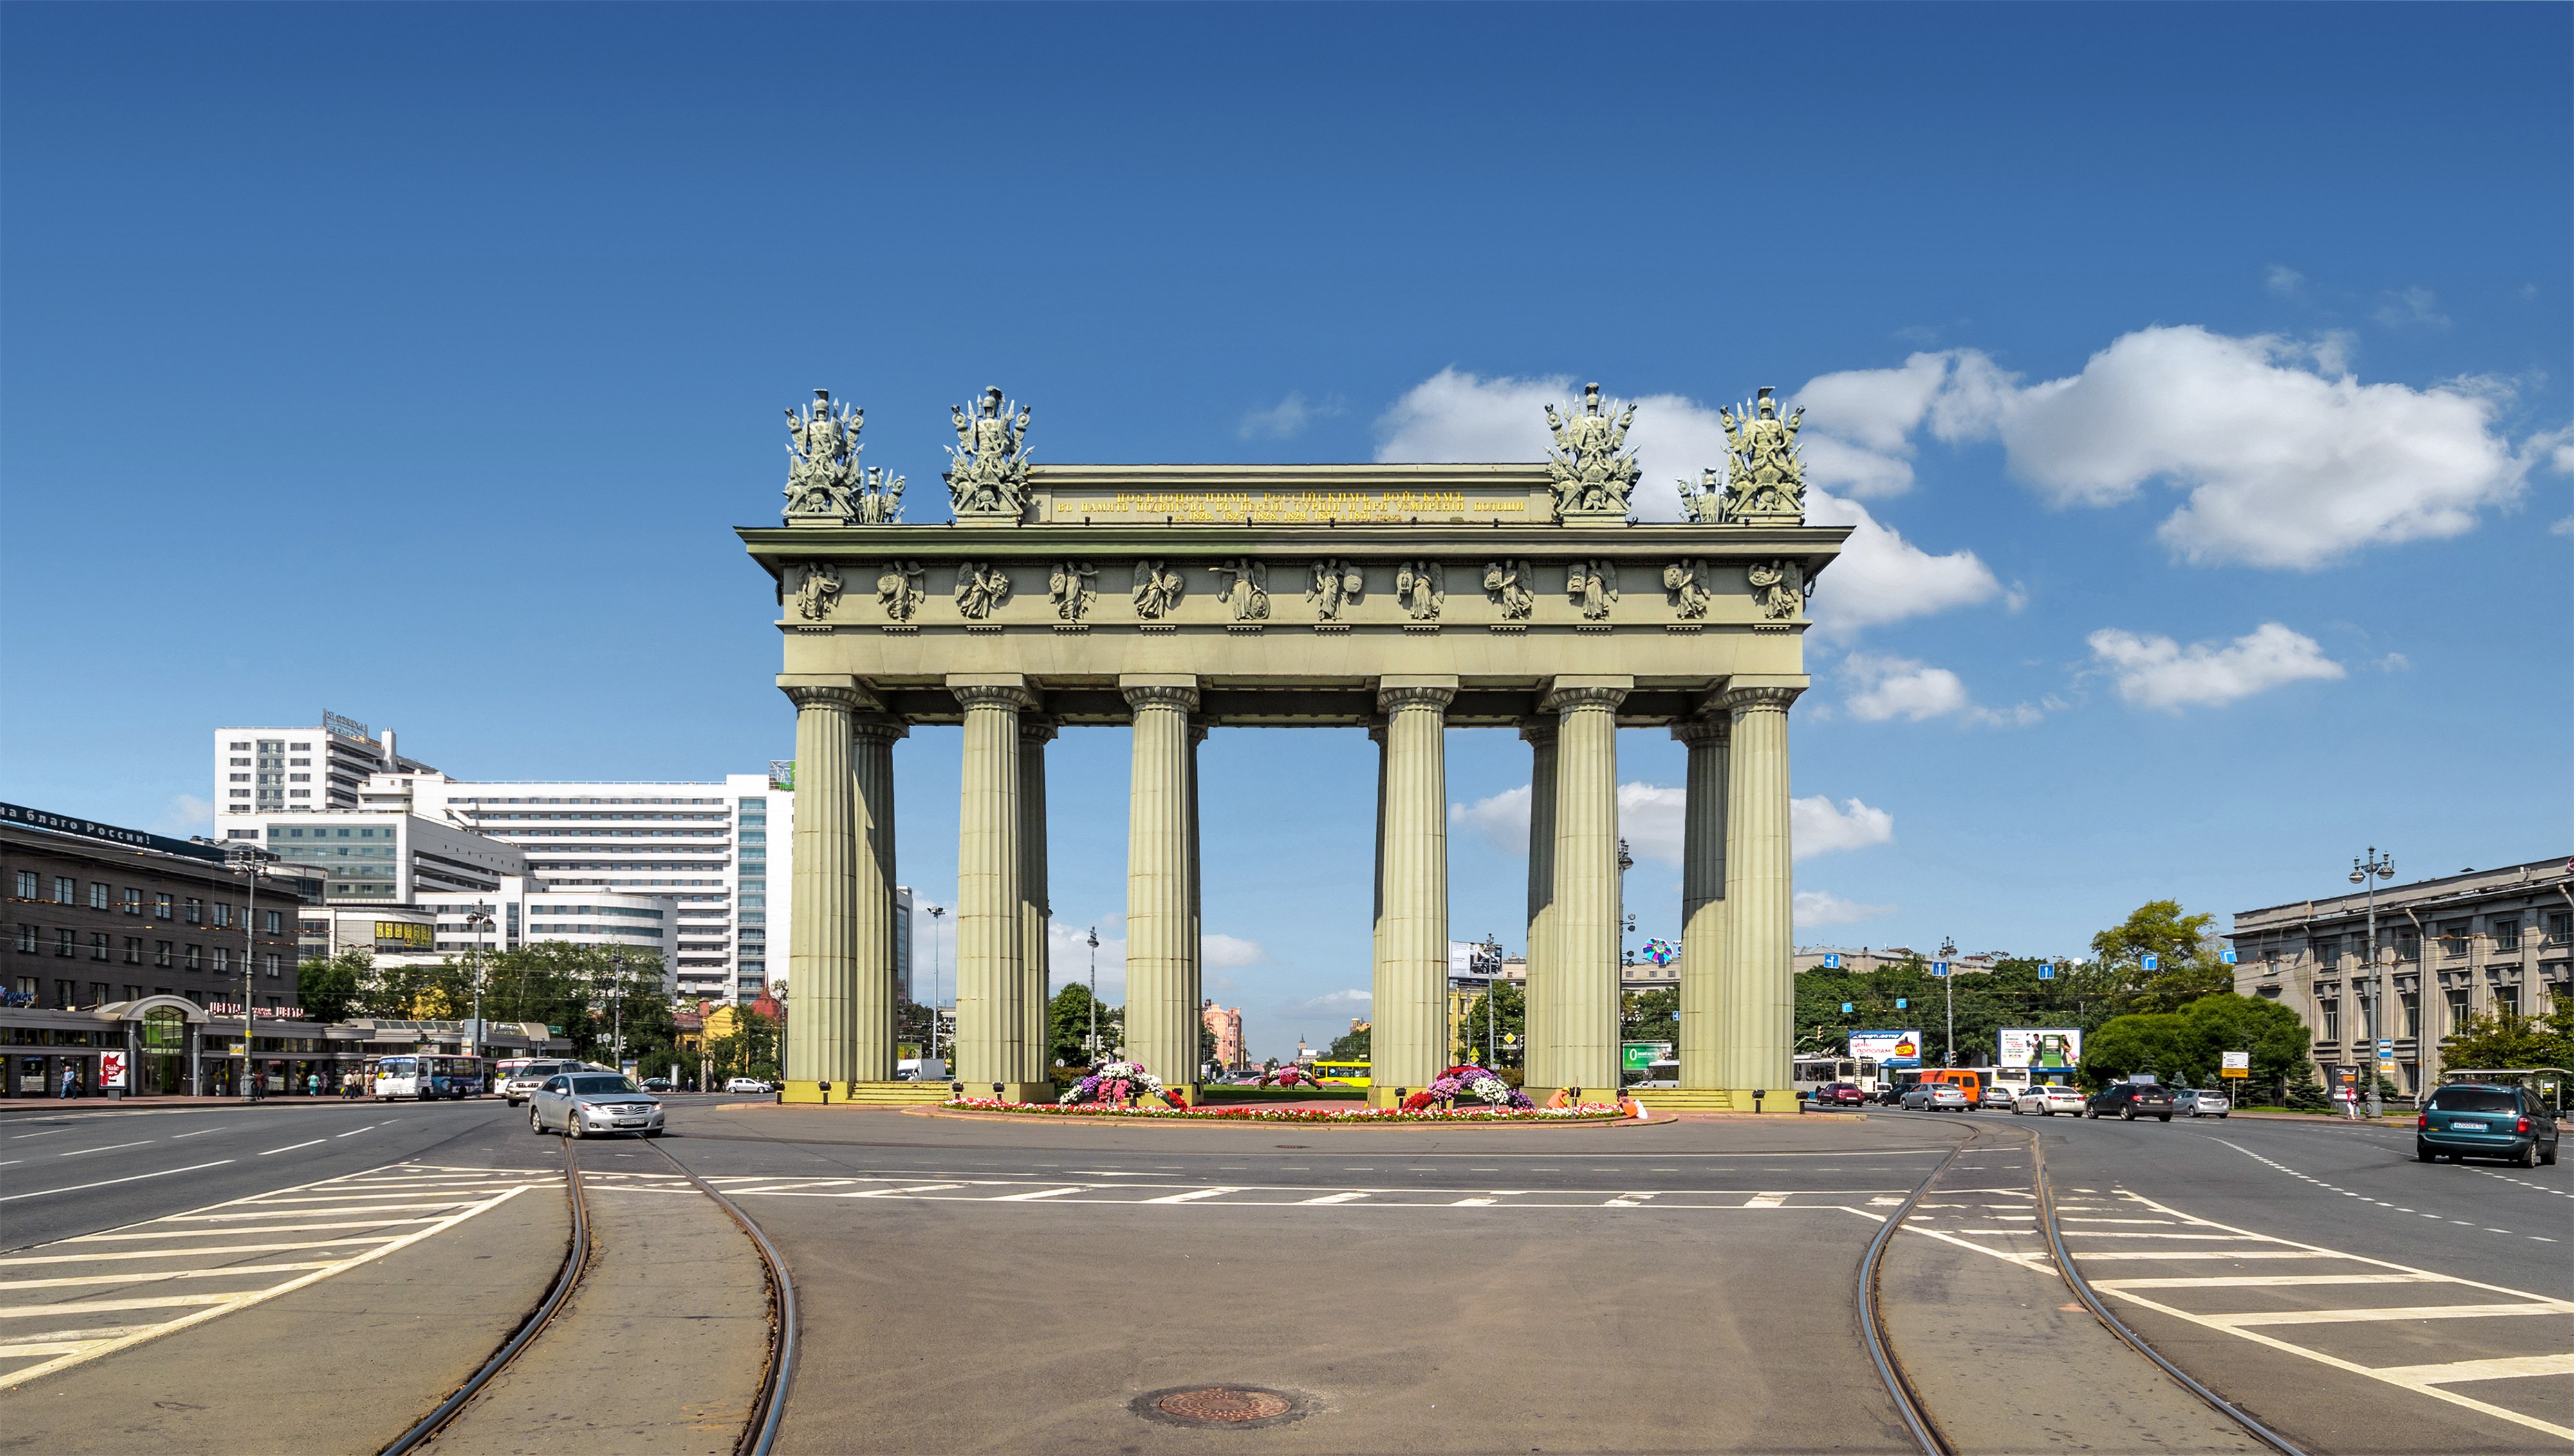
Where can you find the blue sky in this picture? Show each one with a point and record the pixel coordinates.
(2200, 374)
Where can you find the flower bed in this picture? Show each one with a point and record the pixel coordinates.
(1585, 1113)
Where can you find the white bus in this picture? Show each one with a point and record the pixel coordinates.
(427, 1077)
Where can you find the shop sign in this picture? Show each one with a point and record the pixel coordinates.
(111, 1068)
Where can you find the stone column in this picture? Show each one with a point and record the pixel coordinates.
(1161, 1013)
(1586, 881)
(872, 1003)
(1537, 993)
(1036, 911)
(821, 944)
(1703, 905)
(1757, 1001)
(1409, 1044)
(991, 1022)
(1197, 921)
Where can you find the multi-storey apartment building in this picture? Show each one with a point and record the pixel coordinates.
(278, 770)
(2447, 949)
(387, 857)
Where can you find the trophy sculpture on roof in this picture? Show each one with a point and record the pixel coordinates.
(825, 486)
(1592, 469)
(988, 480)
(1765, 480)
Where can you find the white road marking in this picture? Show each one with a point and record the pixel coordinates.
(291, 1146)
(145, 1276)
(2263, 1281)
(1030, 1198)
(1335, 1199)
(46, 1134)
(82, 1152)
(1766, 1200)
(200, 1132)
(1473, 1202)
(2391, 1314)
(353, 1132)
(2507, 1368)
(109, 1182)
(1192, 1197)
(93, 1258)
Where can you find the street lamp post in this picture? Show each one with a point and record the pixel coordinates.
(1488, 960)
(2366, 874)
(1949, 953)
(247, 857)
(478, 923)
(938, 918)
(1094, 995)
(616, 1015)
(1617, 986)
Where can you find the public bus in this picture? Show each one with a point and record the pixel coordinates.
(1341, 1074)
(428, 1077)
(1810, 1073)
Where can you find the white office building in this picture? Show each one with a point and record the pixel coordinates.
(261, 770)
(387, 857)
(719, 851)
(524, 911)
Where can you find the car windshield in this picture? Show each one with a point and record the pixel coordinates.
(2474, 1100)
(599, 1082)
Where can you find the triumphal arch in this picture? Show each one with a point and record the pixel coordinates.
(1177, 600)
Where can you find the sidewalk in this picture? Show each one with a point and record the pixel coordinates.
(31, 1106)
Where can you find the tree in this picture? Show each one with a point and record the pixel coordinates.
(749, 1049)
(1506, 1003)
(328, 990)
(2185, 953)
(2500, 1039)
(2185, 1048)
(1068, 1026)
(1350, 1045)
(1651, 1016)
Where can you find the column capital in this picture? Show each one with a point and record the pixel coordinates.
(1034, 729)
(993, 689)
(1708, 727)
(1763, 694)
(826, 690)
(1538, 732)
(1572, 693)
(1159, 690)
(1397, 692)
(879, 727)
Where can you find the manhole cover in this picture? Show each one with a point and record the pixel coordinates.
(1223, 1405)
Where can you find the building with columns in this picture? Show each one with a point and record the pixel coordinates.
(1177, 600)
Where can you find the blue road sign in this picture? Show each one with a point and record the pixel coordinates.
(1900, 1003)
(1846, 1008)
(2226, 956)
(1832, 962)
(1939, 968)
(2047, 971)
(2153, 961)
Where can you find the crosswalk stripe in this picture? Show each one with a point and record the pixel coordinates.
(1040, 1193)
(1333, 1198)
(2269, 1281)
(1764, 1200)
(147, 1277)
(2389, 1313)
(2506, 1367)
(1192, 1197)
(2160, 1257)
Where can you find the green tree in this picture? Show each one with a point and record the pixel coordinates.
(2500, 1040)
(749, 1049)
(1350, 1045)
(1507, 1003)
(2185, 1048)
(1068, 1026)
(329, 990)
(1651, 1016)
(2186, 968)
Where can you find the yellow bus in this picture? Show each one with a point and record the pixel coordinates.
(1341, 1074)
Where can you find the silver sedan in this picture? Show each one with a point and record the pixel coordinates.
(583, 1105)
(1936, 1097)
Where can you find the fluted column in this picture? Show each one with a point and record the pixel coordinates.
(1703, 898)
(1757, 1003)
(1537, 993)
(1036, 911)
(820, 949)
(1409, 1044)
(990, 1017)
(1197, 918)
(1162, 1013)
(871, 1001)
(1586, 881)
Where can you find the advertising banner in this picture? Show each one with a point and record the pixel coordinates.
(2042, 1048)
(111, 1068)
(1637, 1057)
(1887, 1048)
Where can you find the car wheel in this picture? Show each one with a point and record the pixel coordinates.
(2547, 1159)
(2014, 1109)
(2528, 1156)
(2167, 1117)
(2127, 1114)
(2422, 1153)
(652, 1132)
(571, 1123)
(535, 1120)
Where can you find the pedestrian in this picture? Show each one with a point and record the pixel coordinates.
(71, 1083)
(313, 1084)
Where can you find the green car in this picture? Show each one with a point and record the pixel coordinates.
(2480, 1119)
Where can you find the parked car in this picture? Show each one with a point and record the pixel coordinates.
(1890, 1095)
(2047, 1100)
(659, 1084)
(2202, 1103)
(1994, 1095)
(2129, 1102)
(524, 1080)
(745, 1085)
(2481, 1120)
(1936, 1097)
(1840, 1094)
(587, 1105)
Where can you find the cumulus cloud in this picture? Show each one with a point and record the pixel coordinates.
(1345, 1002)
(1890, 687)
(1879, 578)
(1288, 417)
(1229, 952)
(2156, 672)
(1820, 826)
(2282, 280)
(1819, 907)
(1651, 817)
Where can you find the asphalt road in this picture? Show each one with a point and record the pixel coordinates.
(977, 1285)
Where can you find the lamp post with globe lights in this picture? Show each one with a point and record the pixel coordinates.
(2366, 872)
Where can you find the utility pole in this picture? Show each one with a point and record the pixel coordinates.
(617, 974)
(938, 918)
(1948, 953)
(478, 923)
(247, 857)
(2366, 874)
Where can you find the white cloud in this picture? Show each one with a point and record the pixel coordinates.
(1229, 952)
(2282, 280)
(1860, 422)
(1350, 1002)
(2564, 527)
(1822, 908)
(1879, 578)
(2411, 306)
(1818, 827)
(186, 814)
(1892, 687)
(1288, 417)
(2155, 672)
(1651, 819)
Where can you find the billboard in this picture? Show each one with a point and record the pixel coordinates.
(404, 935)
(2042, 1048)
(1887, 1048)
